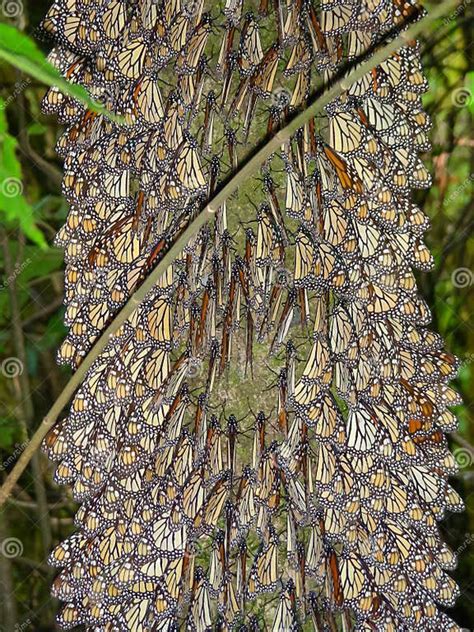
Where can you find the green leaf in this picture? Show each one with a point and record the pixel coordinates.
(12, 201)
(51, 205)
(470, 87)
(8, 432)
(39, 264)
(53, 335)
(36, 129)
(20, 51)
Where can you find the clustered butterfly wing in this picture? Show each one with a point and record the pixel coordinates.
(329, 500)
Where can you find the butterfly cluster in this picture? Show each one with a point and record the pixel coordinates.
(319, 512)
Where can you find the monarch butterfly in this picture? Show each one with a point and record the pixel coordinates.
(148, 99)
(353, 581)
(188, 168)
(226, 60)
(304, 257)
(263, 574)
(345, 179)
(295, 196)
(270, 188)
(406, 9)
(131, 59)
(285, 320)
(263, 77)
(317, 37)
(246, 501)
(361, 430)
(301, 89)
(178, 32)
(232, 10)
(230, 603)
(69, 615)
(345, 135)
(209, 116)
(265, 237)
(336, 17)
(200, 618)
(285, 618)
(75, 68)
(217, 564)
(250, 48)
(335, 587)
(231, 139)
(189, 58)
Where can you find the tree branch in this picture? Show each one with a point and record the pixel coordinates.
(8, 604)
(44, 311)
(460, 440)
(25, 403)
(321, 99)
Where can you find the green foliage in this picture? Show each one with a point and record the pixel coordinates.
(12, 201)
(21, 51)
(8, 433)
(470, 88)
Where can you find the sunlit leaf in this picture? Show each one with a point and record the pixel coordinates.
(13, 203)
(20, 51)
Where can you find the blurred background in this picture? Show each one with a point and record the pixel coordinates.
(39, 514)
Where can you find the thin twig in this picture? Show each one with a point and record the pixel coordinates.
(25, 403)
(245, 172)
(462, 442)
(33, 566)
(50, 171)
(44, 311)
(29, 504)
(8, 610)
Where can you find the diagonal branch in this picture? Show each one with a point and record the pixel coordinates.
(356, 71)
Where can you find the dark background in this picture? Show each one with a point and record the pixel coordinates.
(40, 514)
